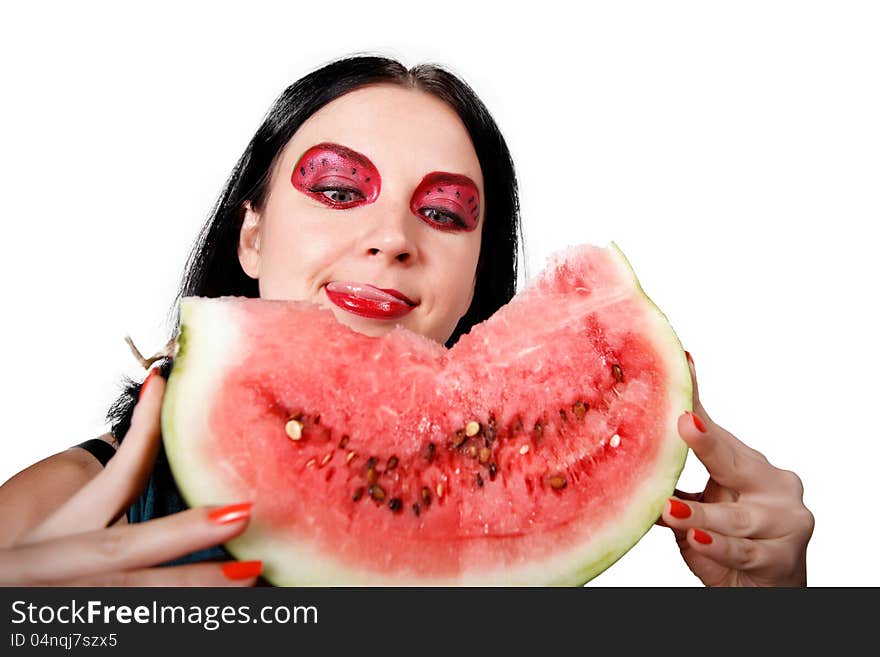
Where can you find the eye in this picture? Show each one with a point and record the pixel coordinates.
(442, 218)
(340, 195)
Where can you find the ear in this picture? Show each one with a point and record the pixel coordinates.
(249, 242)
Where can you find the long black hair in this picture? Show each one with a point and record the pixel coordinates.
(213, 268)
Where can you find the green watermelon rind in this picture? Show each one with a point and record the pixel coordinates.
(645, 505)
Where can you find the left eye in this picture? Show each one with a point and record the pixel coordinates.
(340, 195)
(440, 217)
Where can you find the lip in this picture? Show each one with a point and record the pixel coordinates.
(367, 300)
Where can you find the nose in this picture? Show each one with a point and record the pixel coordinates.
(391, 236)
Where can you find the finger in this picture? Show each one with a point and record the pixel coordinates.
(230, 573)
(737, 519)
(123, 547)
(688, 496)
(101, 500)
(730, 551)
(728, 461)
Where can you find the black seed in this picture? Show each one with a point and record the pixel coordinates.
(377, 492)
(479, 480)
(539, 429)
(354, 172)
(358, 493)
(312, 165)
(395, 504)
(470, 200)
(302, 171)
(439, 189)
(562, 415)
(580, 410)
(392, 463)
(457, 194)
(367, 180)
(371, 463)
(459, 438)
(428, 192)
(343, 441)
(429, 451)
(318, 419)
(616, 372)
(426, 496)
(324, 161)
(416, 510)
(493, 470)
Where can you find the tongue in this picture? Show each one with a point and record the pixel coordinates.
(363, 291)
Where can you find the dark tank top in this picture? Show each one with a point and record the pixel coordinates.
(160, 498)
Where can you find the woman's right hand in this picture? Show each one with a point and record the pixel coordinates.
(75, 547)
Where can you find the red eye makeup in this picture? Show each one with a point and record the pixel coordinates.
(447, 201)
(336, 176)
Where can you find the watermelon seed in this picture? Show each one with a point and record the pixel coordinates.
(472, 451)
(472, 428)
(429, 451)
(491, 429)
(318, 419)
(350, 456)
(615, 440)
(377, 492)
(426, 496)
(293, 428)
(562, 415)
(395, 504)
(358, 493)
(539, 429)
(557, 482)
(580, 410)
(310, 463)
(517, 426)
(459, 439)
(326, 459)
(392, 463)
(479, 480)
(416, 510)
(440, 490)
(372, 476)
(343, 442)
(371, 463)
(617, 372)
(493, 470)
(524, 449)
(485, 453)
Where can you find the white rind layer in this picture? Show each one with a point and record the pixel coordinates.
(210, 335)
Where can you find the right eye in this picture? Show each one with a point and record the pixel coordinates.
(340, 195)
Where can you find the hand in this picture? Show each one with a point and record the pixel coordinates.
(749, 526)
(75, 547)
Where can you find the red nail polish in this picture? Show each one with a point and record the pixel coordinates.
(698, 423)
(147, 382)
(678, 509)
(242, 569)
(232, 513)
(702, 537)
(689, 357)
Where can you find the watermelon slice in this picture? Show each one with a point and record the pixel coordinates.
(536, 451)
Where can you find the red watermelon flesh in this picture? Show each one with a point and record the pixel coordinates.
(537, 450)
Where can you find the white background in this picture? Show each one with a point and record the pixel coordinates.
(732, 150)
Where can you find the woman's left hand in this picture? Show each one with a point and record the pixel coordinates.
(749, 526)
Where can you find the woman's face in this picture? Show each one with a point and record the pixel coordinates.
(377, 196)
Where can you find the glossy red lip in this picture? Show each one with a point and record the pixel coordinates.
(399, 295)
(369, 301)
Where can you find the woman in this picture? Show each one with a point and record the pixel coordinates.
(337, 236)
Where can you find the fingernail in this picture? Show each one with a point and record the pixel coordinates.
(226, 514)
(689, 357)
(242, 569)
(678, 509)
(698, 423)
(146, 382)
(702, 537)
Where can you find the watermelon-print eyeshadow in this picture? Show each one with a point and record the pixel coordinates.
(447, 201)
(336, 176)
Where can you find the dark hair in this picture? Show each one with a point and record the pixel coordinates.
(213, 268)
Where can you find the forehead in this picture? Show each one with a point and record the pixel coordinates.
(405, 133)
